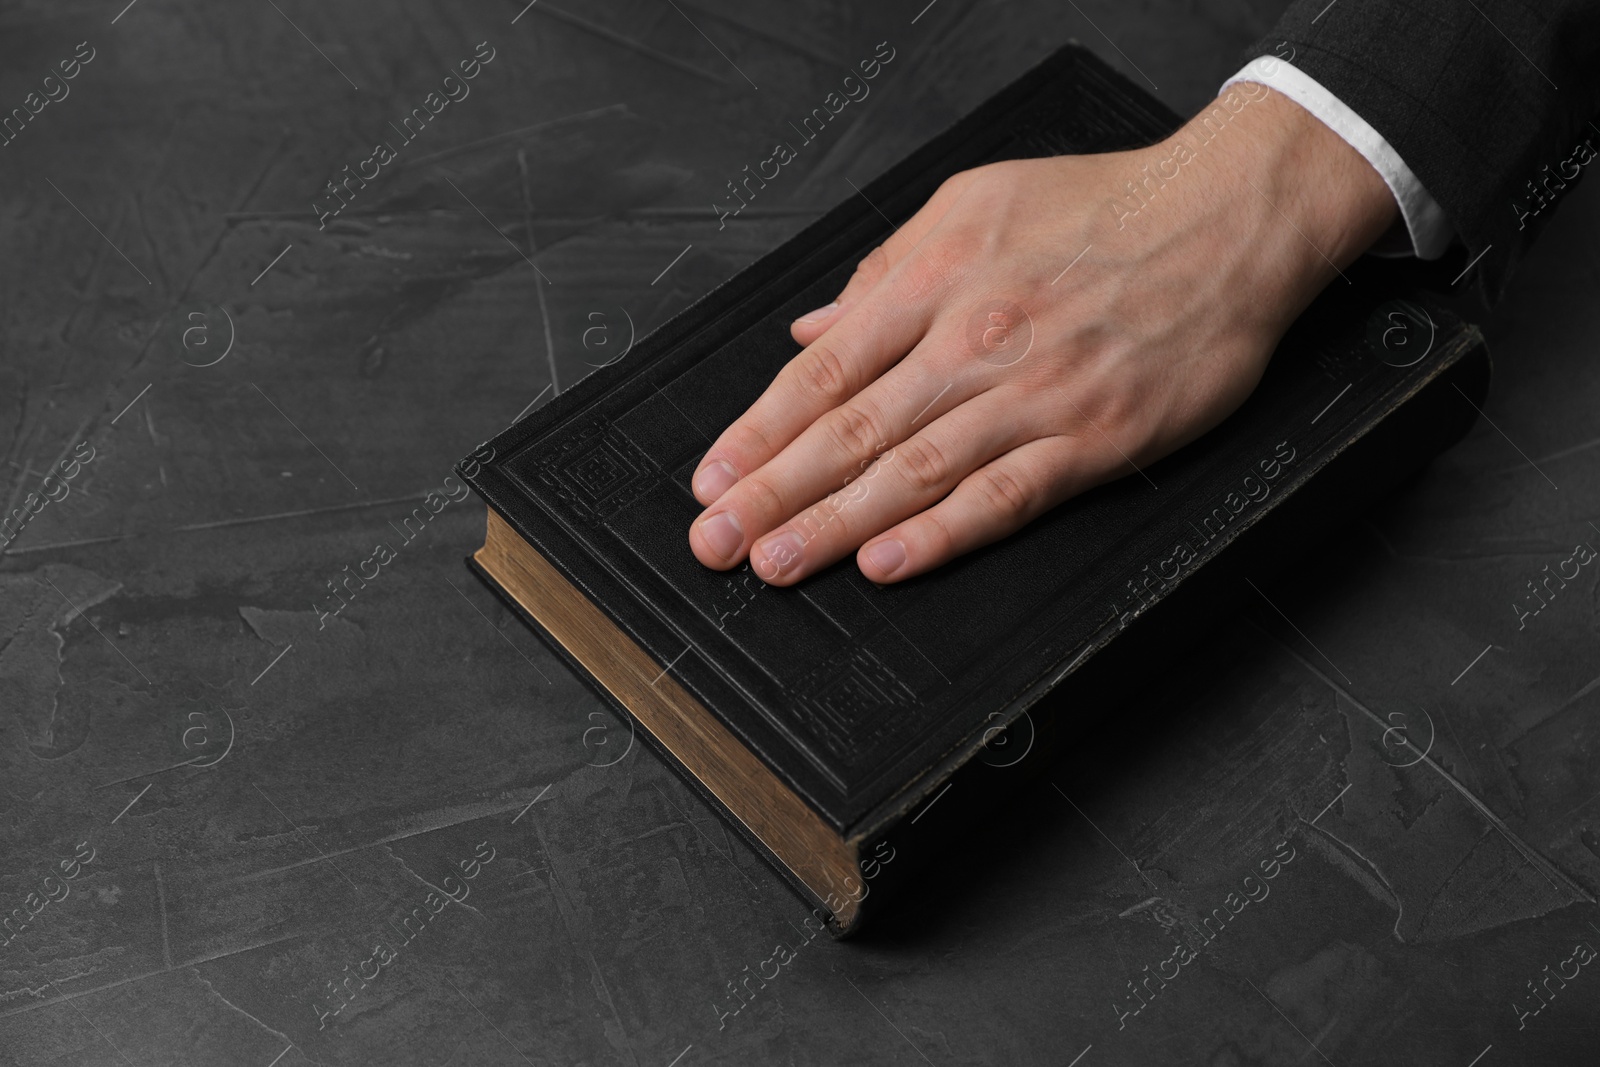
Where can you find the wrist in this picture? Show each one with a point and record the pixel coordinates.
(1322, 203)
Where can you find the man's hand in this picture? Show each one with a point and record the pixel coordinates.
(1037, 328)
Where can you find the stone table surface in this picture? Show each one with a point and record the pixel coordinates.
(218, 802)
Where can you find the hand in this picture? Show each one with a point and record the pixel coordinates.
(1037, 328)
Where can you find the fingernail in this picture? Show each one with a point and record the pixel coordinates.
(723, 533)
(887, 556)
(819, 314)
(717, 478)
(779, 554)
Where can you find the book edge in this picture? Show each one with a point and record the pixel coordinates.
(768, 810)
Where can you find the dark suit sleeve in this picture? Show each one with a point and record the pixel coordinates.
(1491, 103)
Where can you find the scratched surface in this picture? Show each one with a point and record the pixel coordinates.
(247, 823)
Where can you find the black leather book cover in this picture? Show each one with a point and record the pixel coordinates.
(866, 700)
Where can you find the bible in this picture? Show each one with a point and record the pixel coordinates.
(850, 732)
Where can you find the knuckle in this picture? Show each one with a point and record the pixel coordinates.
(1002, 493)
(935, 266)
(827, 517)
(949, 255)
(760, 497)
(1111, 415)
(746, 439)
(873, 266)
(855, 430)
(1095, 402)
(935, 536)
(922, 465)
(824, 374)
(958, 182)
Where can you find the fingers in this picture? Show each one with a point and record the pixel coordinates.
(913, 475)
(992, 502)
(824, 376)
(871, 270)
(838, 446)
(866, 334)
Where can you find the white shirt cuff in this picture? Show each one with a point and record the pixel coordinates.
(1430, 231)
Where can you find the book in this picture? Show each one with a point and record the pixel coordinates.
(852, 733)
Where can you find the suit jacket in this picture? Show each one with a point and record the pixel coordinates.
(1493, 104)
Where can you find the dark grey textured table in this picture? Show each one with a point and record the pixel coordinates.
(242, 827)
